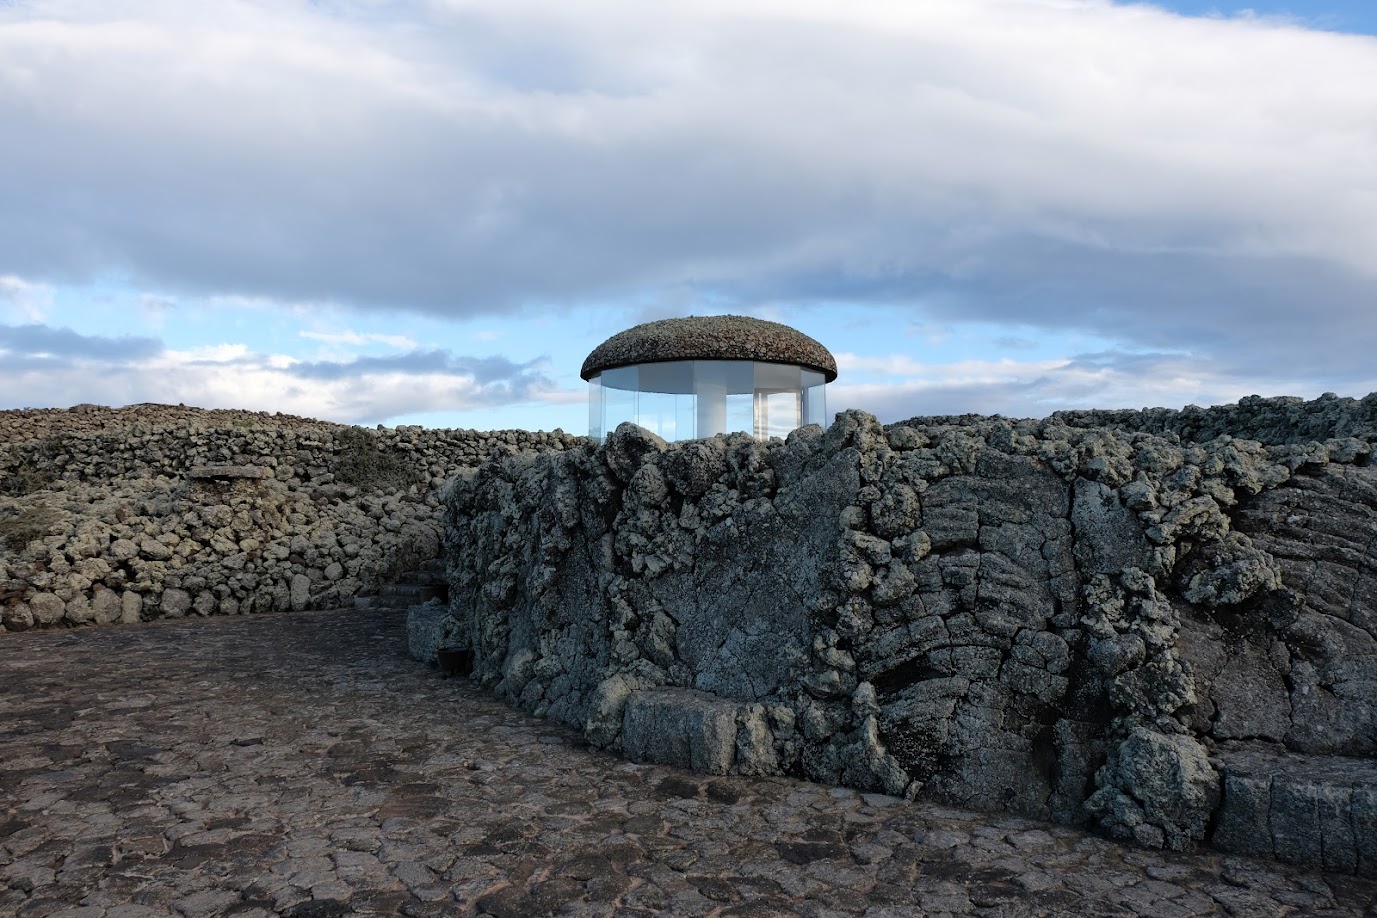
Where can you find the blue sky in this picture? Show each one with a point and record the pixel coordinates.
(1355, 16)
(429, 211)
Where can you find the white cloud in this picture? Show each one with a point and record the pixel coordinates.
(984, 116)
(49, 367)
(23, 300)
(974, 371)
(229, 377)
(260, 385)
(896, 387)
(1158, 180)
(359, 339)
(207, 354)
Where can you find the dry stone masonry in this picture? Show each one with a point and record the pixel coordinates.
(1161, 624)
(121, 515)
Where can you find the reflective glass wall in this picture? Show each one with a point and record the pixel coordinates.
(684, 399)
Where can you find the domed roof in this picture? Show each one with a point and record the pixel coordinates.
(710, 338)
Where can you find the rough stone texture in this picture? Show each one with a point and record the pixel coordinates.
(1297, 808)
(710, 338)
(226, 473)
(301, 765)
(428, 628)
(1062, 621)
(1274, 421)
(673, 726)
(113, 515)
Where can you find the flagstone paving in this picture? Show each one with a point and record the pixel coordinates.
(303, 765)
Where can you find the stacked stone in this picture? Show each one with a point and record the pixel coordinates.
(1069, 622)
(712, 338)
(122, 515)
(94, 444)
(1274, 421)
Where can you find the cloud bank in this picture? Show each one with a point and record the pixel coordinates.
(53, 367)
(1204, 186)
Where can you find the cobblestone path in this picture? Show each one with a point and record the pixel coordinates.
(303, 765)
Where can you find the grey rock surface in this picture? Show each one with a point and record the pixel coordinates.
(1055, 618)
(1297, 808)
(428, 627)
(227, 473)
(303, 765)
(681, 726)
(110, 515)
(1271, 421)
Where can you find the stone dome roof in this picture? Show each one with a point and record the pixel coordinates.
(710, 338)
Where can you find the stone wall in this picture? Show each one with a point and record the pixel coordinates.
(1274, 421)
(104, 516)
(1173, 641)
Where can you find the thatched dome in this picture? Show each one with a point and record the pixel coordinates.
(710, 338)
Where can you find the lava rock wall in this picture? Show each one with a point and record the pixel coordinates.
(1115, 626)
(110, 515)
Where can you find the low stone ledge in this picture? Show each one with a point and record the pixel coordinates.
(681, 727)
(428, 628)
(1314, 810)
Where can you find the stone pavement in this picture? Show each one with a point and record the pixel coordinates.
(301, 764)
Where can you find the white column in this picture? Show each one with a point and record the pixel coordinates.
(710, 395)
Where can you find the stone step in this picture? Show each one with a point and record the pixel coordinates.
(421, 577)
(412, 593)
(1318, 811)
(410, 588)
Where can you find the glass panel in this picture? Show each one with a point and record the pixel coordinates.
(777, 376)
(595, 407)
(618, 397)
(776, 412)
(625, 378)
(740, 378)
(741, 412)
(673, 376)
(814, 398)
(777, 399)
(657, 412)
(685, 420)
(682, 399)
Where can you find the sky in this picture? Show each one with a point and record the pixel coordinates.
(430, 211)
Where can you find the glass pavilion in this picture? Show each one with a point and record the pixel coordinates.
(701, 376)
